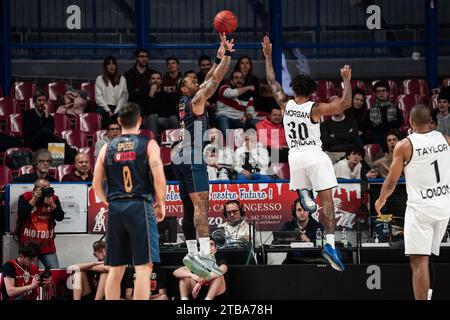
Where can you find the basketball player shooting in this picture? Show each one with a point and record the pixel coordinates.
(191, 172)
(426, 154)
(310, 167)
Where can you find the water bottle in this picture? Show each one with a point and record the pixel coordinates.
(344, 238)
(376, 238)
(386, 231)
(319, 238)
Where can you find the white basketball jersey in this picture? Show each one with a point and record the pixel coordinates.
(428, 174)
(301, 132)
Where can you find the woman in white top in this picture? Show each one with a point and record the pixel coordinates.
(110, 89)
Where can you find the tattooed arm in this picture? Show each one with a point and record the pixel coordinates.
(220, 55)
(275, 87)
(210, 86)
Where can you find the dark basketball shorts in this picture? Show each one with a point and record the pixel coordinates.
(132, 234)
(192, 178)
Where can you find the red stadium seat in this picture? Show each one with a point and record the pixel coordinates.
(370, 100)
(147, 133)
(14, 125)
(21, 92)
(62, 170)
(55, 89)
(170, 136)
(63, 123)
(371, 151)
(393, 92)
(445, 83)
(165, 155)
(89, 122)
(76, 138)
(325, 90)
(281, 170)
(6, 175)
(416, 86)
(1, 91)
(26, 169)
(100, 134)
(433, 104)
(405, 103)
(6, 108)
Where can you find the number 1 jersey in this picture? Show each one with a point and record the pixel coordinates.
(427, 174)
(127, 169)
(301, 132)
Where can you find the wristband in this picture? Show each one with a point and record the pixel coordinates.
(217, 61)
(227, 52)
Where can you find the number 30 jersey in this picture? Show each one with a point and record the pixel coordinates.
(127, 169)
(427, 174)
(301, 132)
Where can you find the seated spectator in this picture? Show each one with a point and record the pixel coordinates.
(236, 229)
(204, 64)
(360, 113)
(110, 89)
(251, 161)
(218, 157)
(338, 134)
(383, 164)
(158, 283)
(137, 78)
(41, 161)
(245, 66)
(383, 115)
(443, 118)
(160, 108)
(214, 287)
(270, 127)
(172, 75)
(73, 102)
(38, 124)
(113, 130)
(307, 227)
(90, 278)
(81, 171)
(38, 211)
(350, 167)
(20, 277)
(234, 111)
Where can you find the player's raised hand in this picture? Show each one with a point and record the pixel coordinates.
(227, 44)
(220, 51)
(346, 72)
(267, 47)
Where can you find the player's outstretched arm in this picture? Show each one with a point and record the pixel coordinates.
(328, 109)
(99, 175)
(159, 179)
(277, 91)
(220, 54)
(395, 171)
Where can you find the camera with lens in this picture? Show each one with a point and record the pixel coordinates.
(48, 192)
(45, 275)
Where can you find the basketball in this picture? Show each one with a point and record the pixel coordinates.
(225, 22)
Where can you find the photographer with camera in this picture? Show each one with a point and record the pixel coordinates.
(38, 212)
(20, 276)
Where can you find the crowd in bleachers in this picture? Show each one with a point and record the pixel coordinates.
(83, 118)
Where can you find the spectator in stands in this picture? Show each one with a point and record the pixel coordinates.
(38, 124)
(350, 167)
(443, 118)
(218, 157)
(158, 283)
(137, 78)
(204, 64)
(270, 127)
(73, 102)
(234, 111)
(236, 229)
(113, 130)
(383, 164)
(38, 211)
(172, 75)
(360, 113)
(110, 89)
(251, 161)
(20, 277)
(383, 115)
(81, 171)
(90, 278)
(41, 161)
(214, 286)
(160, 108)
(245, 66)
(307, 226)
(338, 133)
